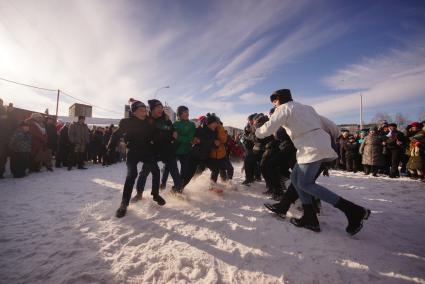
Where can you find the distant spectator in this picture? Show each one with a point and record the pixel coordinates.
(79, 137)
(372, 151)
(52, 136)
(39, 154)
(20, 146)
(64, 147)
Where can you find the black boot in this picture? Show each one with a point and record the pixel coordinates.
(121, 211)
(355, 215)
(308, 220)
(279, 208)
(158, 199)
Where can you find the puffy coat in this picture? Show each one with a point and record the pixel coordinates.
(164, 143)
(79, 133)
(351, 150)
(306, 130)
(185, 131)
(20, 142)
(206, 136)
(220, 151)
(137, 133)
(38, 136)
(372, 151)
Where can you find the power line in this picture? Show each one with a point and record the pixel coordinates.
(27, 85)
(60, 91)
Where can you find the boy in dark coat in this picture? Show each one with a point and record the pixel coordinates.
(138, 132)
(20, 146)
(164, 146)
(351, 149)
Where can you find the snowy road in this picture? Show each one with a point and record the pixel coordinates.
(60, 228)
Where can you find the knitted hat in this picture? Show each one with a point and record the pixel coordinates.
(181, 110)
(211, 118)
(261, 119)
(283, 95)
(153, 104)
(393, 124)
(415, 124)
(134, 105)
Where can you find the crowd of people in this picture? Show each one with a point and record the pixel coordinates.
(42, 142)
(291, 144)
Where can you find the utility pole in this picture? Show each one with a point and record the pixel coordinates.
(57, 104)
(361, 111)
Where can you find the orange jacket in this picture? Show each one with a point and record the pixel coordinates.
(220, 152)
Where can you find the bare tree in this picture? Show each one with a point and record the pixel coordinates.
(380, 116)
(401, 120)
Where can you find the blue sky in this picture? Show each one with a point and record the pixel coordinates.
(217, 56)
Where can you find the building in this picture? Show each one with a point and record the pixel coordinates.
(353, 128)
(80, 110)
(171, 113)
(127, 111)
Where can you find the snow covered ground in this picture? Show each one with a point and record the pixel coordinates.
(60, 228)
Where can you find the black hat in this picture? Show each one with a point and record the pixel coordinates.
(375, 129)
(181, 109)
(135, 105)
(283, 95)
(211, 118)
(81, 117)
(393, 124)
(261, 119)
(153, 104)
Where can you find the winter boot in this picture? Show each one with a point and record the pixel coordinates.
(162, 186)
(308, 220)
(268, 192)
(121, 211)
(158, 199)
(279, 208)
(355, 215)
(137, 198)
(247, 182)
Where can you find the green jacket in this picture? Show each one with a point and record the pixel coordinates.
(185, 131)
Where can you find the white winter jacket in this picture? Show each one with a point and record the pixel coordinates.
(310, 132)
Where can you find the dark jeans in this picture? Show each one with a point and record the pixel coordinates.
(171, 164)
(133, 158)
(183, 159)
(220, 165)
(352, 163)
(62, 155)
(19, 163)
(368, 169)
(271, 168)
(395, 161)
(251, 164)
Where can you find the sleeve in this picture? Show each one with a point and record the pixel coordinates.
(361, 149)
(330, 127)
(71, 133)
(115, 136)
(222, 136)
(276, 121)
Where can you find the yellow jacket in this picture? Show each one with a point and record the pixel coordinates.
(220, 152)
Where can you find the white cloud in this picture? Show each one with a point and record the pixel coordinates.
(386, 80)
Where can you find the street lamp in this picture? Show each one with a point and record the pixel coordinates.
(157, 91)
